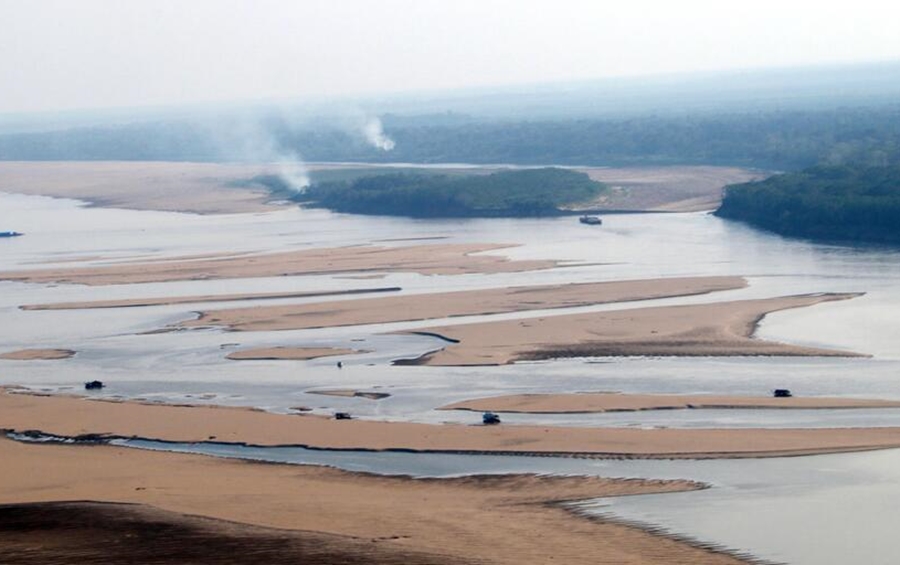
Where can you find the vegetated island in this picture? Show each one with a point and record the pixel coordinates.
(836, 203)
(518, 193)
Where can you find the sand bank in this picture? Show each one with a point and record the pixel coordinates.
(170, 300)
(68, 416)
(721, 328)
(614, 402)
(203, 188)
(666, 189)
(288, 353)
(371, 395)
(502, 520)
(433, 259)
(36, 354)
(461, 303)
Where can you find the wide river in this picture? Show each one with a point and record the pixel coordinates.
(824, 509)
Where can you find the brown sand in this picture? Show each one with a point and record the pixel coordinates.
(182, 187)
(288, 353)
(433, 259)
(67, 416)
(461, 303)
(721, 328)
(614, 402)
(167, 301)
(490, 520)
(37, 354)
(666, 189)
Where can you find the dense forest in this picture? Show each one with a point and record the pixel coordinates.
(840, 203)
(771, 139)
(521, 193)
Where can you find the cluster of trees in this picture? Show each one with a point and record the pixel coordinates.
(841, 203)
(520, 193)
(771, 139)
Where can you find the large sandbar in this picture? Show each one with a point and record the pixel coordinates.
(460, 303)
(717, 329)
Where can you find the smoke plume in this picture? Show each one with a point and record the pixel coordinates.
(375, 135)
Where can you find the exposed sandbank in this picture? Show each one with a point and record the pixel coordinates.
(432, 259)
(167, 301)
(460, 303)
(717, 329)
(614, 402)
(666, 189)
(506, 520)
(69, 416)
(37, 354)
(370, 395)
(288, 353)
(203, 188)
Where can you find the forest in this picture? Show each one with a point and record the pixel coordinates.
(519, 193)
(836, 203)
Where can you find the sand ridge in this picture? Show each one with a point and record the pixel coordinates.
(715, 329)
(458, 303)
(72, 416)
(288, 353)
(428, 259)
(37, 354)
(587, 402)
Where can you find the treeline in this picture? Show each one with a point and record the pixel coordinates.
(840, 203)
(783, 140)
(522, 193)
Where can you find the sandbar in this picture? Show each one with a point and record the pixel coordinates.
(428, 259)
(72, 416)
(370, 395)
(589, 402)
(170, 300)
(37, 354)
(202, 188)
(506, 520)
(288, 353)
(460, 303)
(717, 329)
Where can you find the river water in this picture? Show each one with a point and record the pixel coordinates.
(190, 366)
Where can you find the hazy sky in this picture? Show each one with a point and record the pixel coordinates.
(66, 54)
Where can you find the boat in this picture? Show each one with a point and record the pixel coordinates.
(10, 234)
(782, 393)
(490, 418)
(590, 220)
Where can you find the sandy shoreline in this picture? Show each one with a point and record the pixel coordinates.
(501, 519)
(428, 259)
(460, 303)
(70, 417)
(288, 353)
(37, 354)
(717, 329)
(170, 300)
(582, 403)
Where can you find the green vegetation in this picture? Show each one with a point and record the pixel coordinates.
(848, 203)
(530, 192)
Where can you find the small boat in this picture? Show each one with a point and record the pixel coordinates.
(590, 220)
(93, 385)
(10, 234)
(782, 393)
(342, 416)
(490, 418)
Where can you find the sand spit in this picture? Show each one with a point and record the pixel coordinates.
(38, 354)
(370, 395)
(70, 416)
(504, 520)
(581, 403)
(432, 259)
(666, 189)
(460, 303)
(717, 329)
(288, 353)
(202, 188)
(168, 301)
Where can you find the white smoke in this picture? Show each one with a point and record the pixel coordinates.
(374, 133)
(292, 170)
